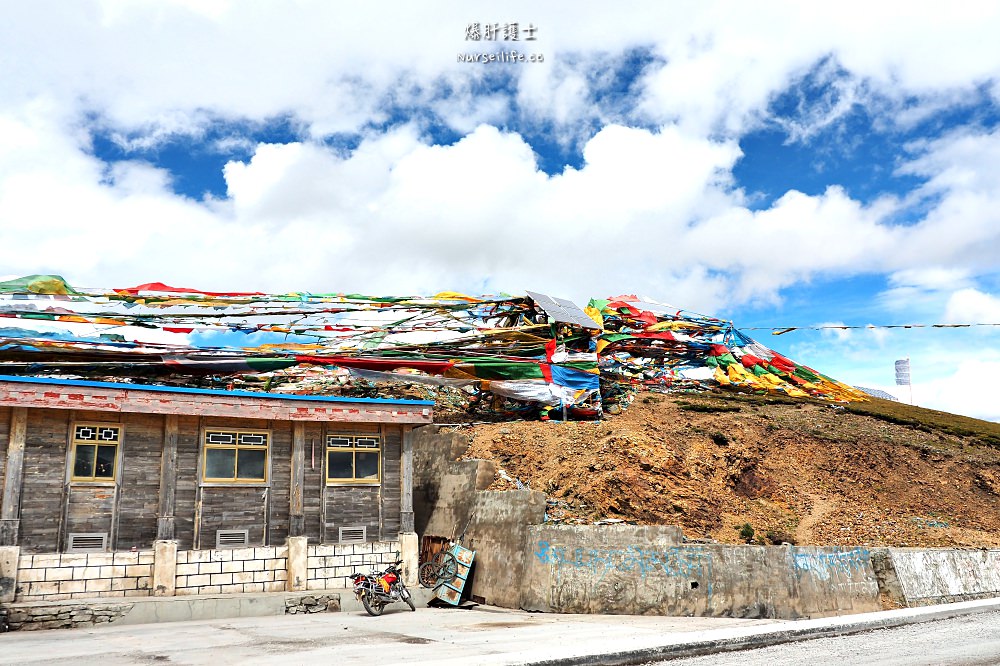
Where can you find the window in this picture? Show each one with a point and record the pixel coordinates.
(353, 459)
(235, 456)
(95, 451)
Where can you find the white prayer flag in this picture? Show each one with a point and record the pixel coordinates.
(903, 372)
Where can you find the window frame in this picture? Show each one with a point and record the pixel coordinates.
(354, 449)
(74, 443)
(205, 447)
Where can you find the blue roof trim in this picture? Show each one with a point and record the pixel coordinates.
(196, 391)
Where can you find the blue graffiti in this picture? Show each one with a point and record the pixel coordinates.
(822, 565)
(674, 561)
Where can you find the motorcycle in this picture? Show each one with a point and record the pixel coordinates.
(376, 590)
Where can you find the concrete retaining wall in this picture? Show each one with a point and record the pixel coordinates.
(944, 576)
(449, 496)
(645, 571)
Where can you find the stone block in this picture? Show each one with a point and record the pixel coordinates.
(43, 588)
(263, 553)
(116, 571)
(243, 577)
(146, 557)
(87, 573)
(122, 583)
(200, 580)
(233, 566)
(221, 579)
(73, 560)
(70, 586)
(253, 587)
(231, 589)
(276, 564)
(137, 593)
(138, 570)
(276, 586)
(126, 558)
(253, 565)
(98, 585)
(182, 556)
(210, 568)
(30, 575)
(100, 559)
(187, 569)
(261, 576)
(59, 573)
(199, 556)
(242, 553)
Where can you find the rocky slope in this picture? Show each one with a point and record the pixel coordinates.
(802, 472)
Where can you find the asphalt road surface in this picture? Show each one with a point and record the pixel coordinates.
(971, 640)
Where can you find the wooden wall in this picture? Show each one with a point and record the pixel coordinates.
(51, 507)
(188, 443)
(392, 452)
(42, 493)
(139, 495)
(5, 414)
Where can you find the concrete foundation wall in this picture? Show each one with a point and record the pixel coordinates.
(55, 576)
(645, 571)
(331, 567)
(65, 576)
(232, 571)
(943, 576)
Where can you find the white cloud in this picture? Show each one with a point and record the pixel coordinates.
(971, 306)
(649, 210)
(965, 390)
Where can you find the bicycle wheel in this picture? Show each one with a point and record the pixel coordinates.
(427, 575)
(448, 568)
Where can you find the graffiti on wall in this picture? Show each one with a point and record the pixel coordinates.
(824, 565)
(678, 562)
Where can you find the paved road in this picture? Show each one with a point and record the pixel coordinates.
(967, 633)
(432, 636)
(972, 640)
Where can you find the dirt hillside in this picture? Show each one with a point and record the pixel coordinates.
(799, 472)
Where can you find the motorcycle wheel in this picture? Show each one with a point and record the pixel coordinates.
(427, 575)
(407, 597)
(373, 605)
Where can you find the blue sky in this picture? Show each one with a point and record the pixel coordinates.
(778, 165)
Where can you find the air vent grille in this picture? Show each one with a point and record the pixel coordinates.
(231, 538)
(81, 542)
(356, 534)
